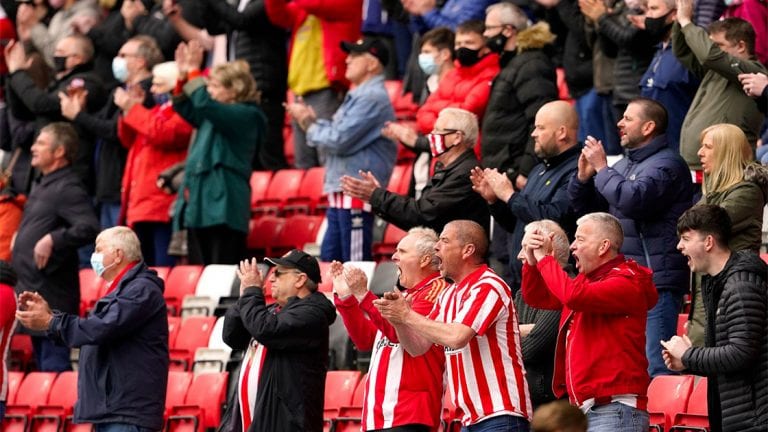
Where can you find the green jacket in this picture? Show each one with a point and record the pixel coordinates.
(720, 98)
(216, 189)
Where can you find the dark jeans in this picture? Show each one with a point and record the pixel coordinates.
(325, 102)
(119, 427)
(154, 238)
(271, 154)
(661, 326)
(216, 244)
(348, 237)
(504, 423)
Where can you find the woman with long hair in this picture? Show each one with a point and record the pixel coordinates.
(214, 199)
(732, 180)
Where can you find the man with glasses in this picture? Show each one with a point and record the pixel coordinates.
(282, 378)
(448, 196)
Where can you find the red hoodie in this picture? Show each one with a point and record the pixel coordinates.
(462, 87)
(601, 343)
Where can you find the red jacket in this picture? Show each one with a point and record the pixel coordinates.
(7, 324)
(156, 139)
(340, 20)
(603, 319)
(463, 87)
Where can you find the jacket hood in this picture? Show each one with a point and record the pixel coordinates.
(141, 271)
(536, 36)
(644, 278)
(319, 300)
(757, 174)
(745, 261)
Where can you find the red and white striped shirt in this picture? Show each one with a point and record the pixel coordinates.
(7, 324)
(486, 377)
(248, 382)
(400, 389)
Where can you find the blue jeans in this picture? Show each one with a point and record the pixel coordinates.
(119, 427)
(109, 214)
(762, 154)
(661, 325)
(597, 118)
(49, 356)
(504, 423)
(348, 237)
(617, 417)
(2, 411)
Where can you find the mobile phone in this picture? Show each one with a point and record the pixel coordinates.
(5, 42)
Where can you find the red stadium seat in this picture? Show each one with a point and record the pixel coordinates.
(298, 230)
(202, 405)
(194, 333)
(400, 179)
(387, 246)
(162, 272)
(681, 320)
(14, 382)
(309, 198)
(326, 286)
(263, 234)
(52, 416)
(91, 289)
(20, 352)
(339, 388)
(32, 393)
(259, 184)
(178, 384)
(350, 418)
(284, 184)
(696, 415)
(181, 282)
(174, 324)
(667, 396)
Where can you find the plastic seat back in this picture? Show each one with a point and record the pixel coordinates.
(178, 384)
(91, 289)
(51, 417)
(259, 184)
(182, 281)
(340, 387)
(195, 332)
(696, 415)
(668, 395)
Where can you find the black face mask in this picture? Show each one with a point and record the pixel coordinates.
(59, 63)
(658, 28)
(496, 43)
(467, 56)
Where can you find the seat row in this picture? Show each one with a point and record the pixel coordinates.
(678, 403)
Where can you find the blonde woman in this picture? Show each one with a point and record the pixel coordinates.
(214, 199)
(732, 180)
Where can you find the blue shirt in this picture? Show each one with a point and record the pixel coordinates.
(668, 82)
(352, 139)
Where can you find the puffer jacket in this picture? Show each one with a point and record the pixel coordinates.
(463, 87)
(526, 82)
(735, 357)
(647, 191)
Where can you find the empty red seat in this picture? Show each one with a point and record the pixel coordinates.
(162, 272)
(350, 417)
(174, 324)
(284, 184)
(696, 415)
(20, 352)
(32, 393)
(194, 332)
(339, 388)
(299, 230)
(202, 405)
(667, 396)
(52, 416)
(259, 184)
(263, 234)
(178, 384)
(181, 282)
(400, 179)
(309, 198)
(14, 382)
(91, 289)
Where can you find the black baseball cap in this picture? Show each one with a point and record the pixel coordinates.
(374, 47)
(301, 261)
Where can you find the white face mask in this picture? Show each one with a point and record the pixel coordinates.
(97, 264)
(120, 69)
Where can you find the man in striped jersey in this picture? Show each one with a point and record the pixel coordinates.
(402, 392)
(600, 360)
(475, 321)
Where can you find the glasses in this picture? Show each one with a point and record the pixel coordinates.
(279, 273)
(124, 55)
(498, 26)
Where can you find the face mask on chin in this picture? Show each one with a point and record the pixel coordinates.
(59, 63)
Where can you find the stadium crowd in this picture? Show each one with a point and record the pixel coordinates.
(583, 172)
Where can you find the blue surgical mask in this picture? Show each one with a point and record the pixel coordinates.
(120, 69)
(427, 64)
(97, 263)
(161, 98)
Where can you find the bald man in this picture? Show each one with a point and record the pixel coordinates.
(545, 195)
(475, 320)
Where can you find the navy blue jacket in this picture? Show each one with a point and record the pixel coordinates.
(545, 196)
(647, 191)
(123, 352)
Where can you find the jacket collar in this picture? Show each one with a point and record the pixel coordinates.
(640, 154)
(378, 80)
(51, 177)
(554, 161)
(606, 267)
(469, 153)
(490, 60)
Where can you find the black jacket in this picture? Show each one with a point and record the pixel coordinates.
(545, 196)
(526, 82)
(735, 355)
(28, 102)
(577, 55)
(538, 349)
(447, 197)
(123, 352)
(57, 205)
(291, 387)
